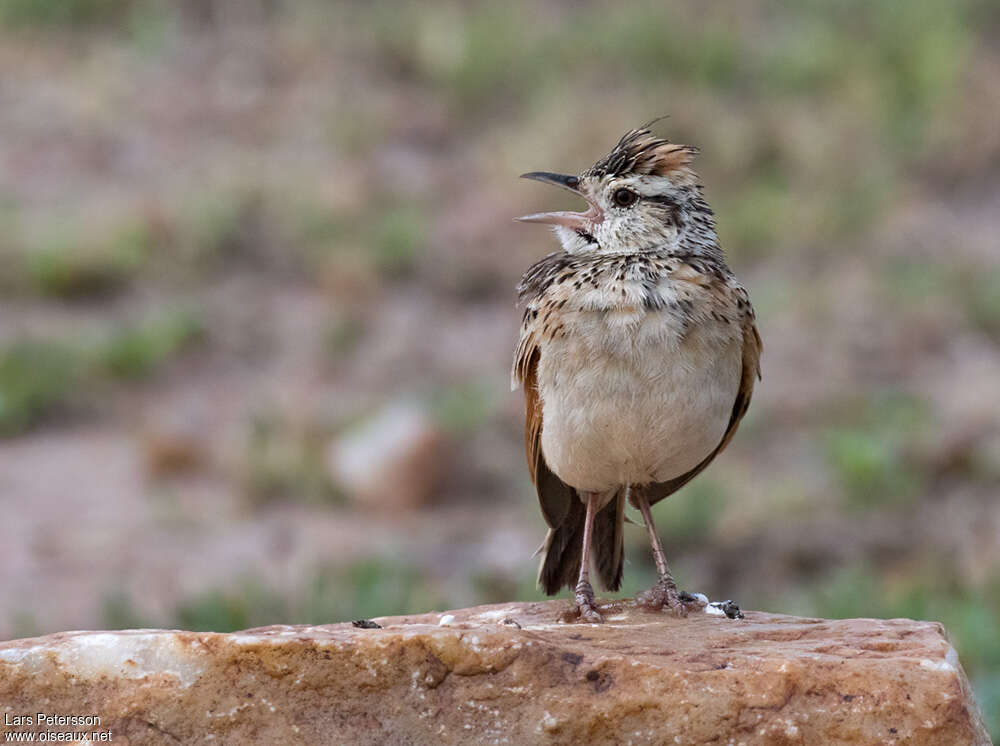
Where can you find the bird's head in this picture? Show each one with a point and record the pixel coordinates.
(642, 195)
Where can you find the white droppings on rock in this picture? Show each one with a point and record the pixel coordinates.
(446, 620)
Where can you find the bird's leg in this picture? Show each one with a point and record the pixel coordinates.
(665, 592)
(584, 591)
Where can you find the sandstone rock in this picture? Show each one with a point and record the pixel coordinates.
(506, 674)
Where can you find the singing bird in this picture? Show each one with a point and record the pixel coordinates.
(638, 354)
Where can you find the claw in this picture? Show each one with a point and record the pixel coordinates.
(589, 613)
(585, 604)
(665, 595)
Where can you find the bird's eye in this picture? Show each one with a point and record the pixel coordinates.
(624, 197)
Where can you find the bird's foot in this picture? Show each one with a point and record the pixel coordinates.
(585, 603)
(665, 595)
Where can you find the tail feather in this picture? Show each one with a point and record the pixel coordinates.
(560, 564)
(609, 543)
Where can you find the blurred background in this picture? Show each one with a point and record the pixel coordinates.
(257, 268)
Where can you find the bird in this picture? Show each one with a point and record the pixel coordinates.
(638, 353)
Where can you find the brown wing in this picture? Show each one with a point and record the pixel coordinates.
(554, 495)
(751, 372)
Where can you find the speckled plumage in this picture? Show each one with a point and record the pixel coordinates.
(656, 330)
(638, 353)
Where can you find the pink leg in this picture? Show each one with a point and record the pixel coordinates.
(664, 593)
(584, 591)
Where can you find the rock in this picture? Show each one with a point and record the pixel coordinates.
(394, 460)
(512, 673)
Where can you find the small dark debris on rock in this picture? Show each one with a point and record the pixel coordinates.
(366, 624)
(731, 610)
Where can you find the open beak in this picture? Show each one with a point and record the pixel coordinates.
(582, 221)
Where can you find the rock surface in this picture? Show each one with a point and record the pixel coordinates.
(504, 674)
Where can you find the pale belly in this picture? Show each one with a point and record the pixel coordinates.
(644, 409)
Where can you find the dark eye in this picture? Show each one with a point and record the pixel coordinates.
(624, 197)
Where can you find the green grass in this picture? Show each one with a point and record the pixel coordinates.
(64, 13)
(376, 587)
(872, 456)
(119, 612)
(282, 462)
(41, 377)
(398, 237)
(975, 289)
(136, 351)
(886, 71)
(688, 517)
(987, 690)
(250, 604)
(871, 469)
(752, 220)
(343, 335)
(981, 294)
(73, 265)
(365, 589)
(36, 379)
(463, 407)
(186, 242)
(219, 227)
